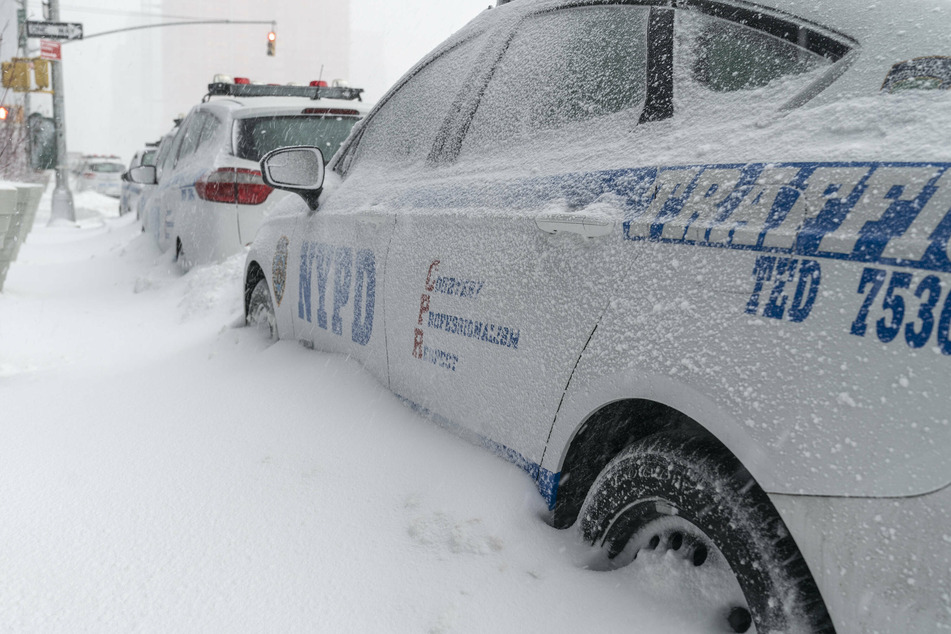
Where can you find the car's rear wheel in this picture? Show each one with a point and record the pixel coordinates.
(675, 498)
(261, 311)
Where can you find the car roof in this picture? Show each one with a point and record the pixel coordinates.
(240, 107)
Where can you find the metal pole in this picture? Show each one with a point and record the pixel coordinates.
(61, 207)
(24, 52)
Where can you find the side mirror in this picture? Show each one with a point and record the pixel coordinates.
(143, 175)
(298, 169)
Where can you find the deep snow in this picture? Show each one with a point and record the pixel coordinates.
(162, 470)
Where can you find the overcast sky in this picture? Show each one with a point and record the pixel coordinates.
(115, 99)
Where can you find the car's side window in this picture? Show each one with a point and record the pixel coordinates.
(167, 152)
(190, 136)
(641, 65)
(717, 61)
(404, 129)
(209, 130)
(564, 67)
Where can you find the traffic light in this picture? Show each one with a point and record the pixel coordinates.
(271, 42)
(4, 113)
(41, 73)
(16, 74)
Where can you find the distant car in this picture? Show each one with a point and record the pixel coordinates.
(132, 191)
(101, 174)
(686, 263)
(209, 198)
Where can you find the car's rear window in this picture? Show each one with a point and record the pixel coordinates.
(255, 137)
(106, 168)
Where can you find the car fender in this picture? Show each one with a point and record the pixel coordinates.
(269, 253)
(793, 440)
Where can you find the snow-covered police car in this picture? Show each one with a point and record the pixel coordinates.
(208, 198)
(688, 263)
(132, 192)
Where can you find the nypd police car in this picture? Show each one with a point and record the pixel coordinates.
(208, 199)
(688, 264)
(132, 192)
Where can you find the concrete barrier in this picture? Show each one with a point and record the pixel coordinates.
(28, 201)
(18, 205)
(9, 227)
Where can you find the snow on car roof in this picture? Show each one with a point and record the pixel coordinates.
(257, 106)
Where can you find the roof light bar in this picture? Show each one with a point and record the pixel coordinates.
(219, 89)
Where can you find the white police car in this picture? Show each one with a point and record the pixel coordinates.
(209, 199)
(688, 264)
(131, 191)
(100, 173)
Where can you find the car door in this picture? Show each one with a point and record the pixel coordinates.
(336, 264)
(189, 230)
(501, 261)
(152, 209)
(167, 196)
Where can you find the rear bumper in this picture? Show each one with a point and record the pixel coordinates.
(883, 565)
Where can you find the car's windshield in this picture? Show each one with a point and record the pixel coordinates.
(256, 137)
(105, 168)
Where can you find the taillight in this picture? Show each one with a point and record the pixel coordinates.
(233, 185)
(89, 175)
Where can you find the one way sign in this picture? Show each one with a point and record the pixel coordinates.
(55, 30)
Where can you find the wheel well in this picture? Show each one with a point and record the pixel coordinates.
(255, 274)
(602, 436)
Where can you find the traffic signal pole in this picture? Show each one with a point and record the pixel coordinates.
(62, 203)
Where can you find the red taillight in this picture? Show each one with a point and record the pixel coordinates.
(89, 175)
(332, 111)
(319, 83)
(242, 80)
(233, 185)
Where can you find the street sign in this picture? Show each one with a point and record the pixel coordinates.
(55, 30)
(50, 49)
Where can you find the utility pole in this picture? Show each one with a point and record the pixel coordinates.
(61, 207)
(24, 52)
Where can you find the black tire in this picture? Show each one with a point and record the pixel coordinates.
(261, 311)
(690, 495)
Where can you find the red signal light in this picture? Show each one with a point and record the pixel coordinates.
(4, 113)
(272, 36)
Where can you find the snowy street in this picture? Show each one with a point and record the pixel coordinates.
(164, 470)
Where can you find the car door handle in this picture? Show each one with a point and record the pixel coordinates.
(574, 222)
(372, 219)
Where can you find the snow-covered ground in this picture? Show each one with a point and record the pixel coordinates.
(164, 470)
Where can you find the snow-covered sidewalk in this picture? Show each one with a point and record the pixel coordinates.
(162, 470)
